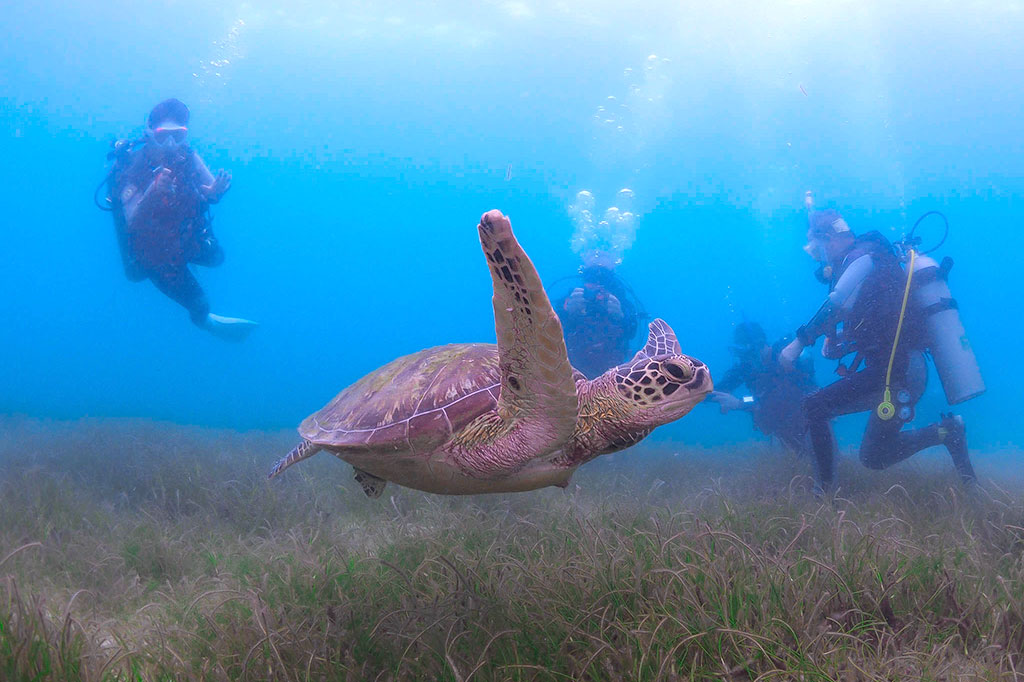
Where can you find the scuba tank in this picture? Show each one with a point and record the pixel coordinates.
(945, 335)
(939, 318)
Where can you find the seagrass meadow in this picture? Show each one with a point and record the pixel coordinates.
(134, 550)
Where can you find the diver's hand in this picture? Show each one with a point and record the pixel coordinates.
(575, 303)
(163, 180)
(789, 354)
(614, 307)
(218, 188)
(833, 348)
(727, 402)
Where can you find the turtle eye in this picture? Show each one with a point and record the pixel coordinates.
(678, 371)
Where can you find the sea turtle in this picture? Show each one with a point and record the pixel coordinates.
(480, 418)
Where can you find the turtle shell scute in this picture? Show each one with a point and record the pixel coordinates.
(413, 403)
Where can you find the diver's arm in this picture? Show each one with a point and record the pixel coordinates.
(213, 188)
(205, 176)
(732, 379)
(840, 299)
(130, 205)
(727, 402)
(723, 394)
(844, 295)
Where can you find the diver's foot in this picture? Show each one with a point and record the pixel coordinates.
(954, 436)
(229, 328)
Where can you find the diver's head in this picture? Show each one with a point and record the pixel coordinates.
(597, 260)
(828, 237)
(167, 125)
(598, 275)
(749, 340)
(598, 269)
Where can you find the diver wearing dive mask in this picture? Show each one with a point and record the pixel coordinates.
(159, 192)
(862, 314)
(168, 134)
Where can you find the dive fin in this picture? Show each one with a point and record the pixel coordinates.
(229, 328)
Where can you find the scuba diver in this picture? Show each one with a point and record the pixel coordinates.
(776, 396)
(873, 311)
(159, 193)
(599, 318)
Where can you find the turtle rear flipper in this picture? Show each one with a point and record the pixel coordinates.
(372, 485)
(303, 450)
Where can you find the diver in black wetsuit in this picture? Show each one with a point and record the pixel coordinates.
(861, 315)
(776, 396)
(159, 193)
(599, 319)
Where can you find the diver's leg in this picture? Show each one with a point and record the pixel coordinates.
(179, 284)
(886, 443)
(845, 396)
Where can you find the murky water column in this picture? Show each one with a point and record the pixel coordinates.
(628, 125)
(627, 128)
(213, 73)
(603, 241)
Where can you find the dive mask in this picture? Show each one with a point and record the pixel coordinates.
(169, 135)
(815, 248)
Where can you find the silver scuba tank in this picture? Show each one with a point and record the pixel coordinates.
(944, 332)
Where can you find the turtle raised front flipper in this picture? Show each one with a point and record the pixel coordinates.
(537, 403)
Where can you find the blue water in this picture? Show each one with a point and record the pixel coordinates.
(366, 139)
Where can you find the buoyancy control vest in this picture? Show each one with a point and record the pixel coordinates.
(870, 324)
(165, 232)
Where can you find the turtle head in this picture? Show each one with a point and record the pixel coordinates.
(660, 384)
(622, 406)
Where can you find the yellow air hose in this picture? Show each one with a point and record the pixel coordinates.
(886, 410)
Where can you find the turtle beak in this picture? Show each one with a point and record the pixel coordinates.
(690, 383)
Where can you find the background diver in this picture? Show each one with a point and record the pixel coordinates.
(776, 395)
(599, 318)
(159, 192)
(865, 313)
